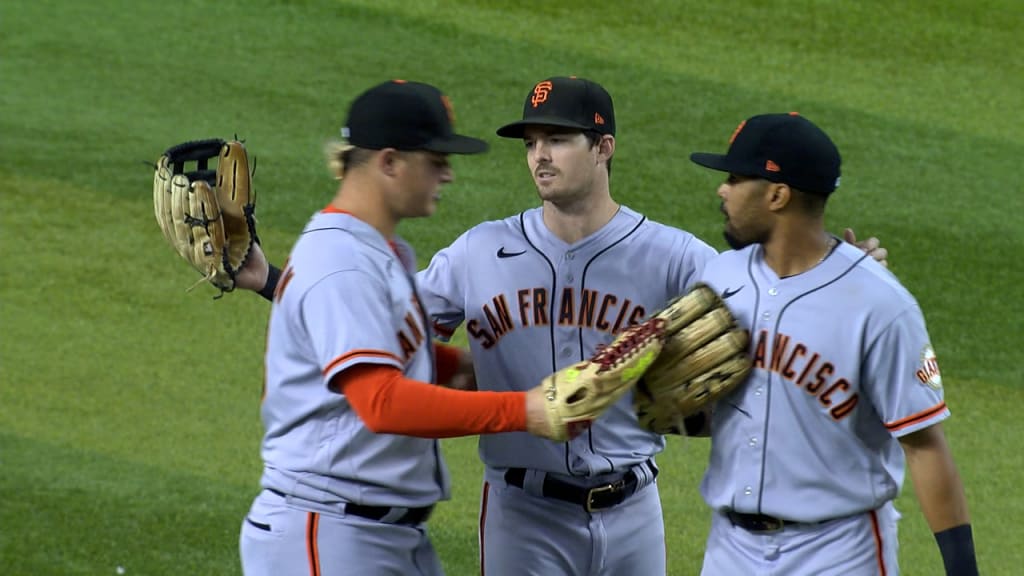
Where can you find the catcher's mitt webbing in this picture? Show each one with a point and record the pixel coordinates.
(579, 394)
(704, 358)
(207, 213)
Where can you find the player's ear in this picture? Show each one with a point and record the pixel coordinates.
(778, 195)
(605, 148)
(387, 161)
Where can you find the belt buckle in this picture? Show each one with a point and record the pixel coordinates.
(771, 524)
(606, 489)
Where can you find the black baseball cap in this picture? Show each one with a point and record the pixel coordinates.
(406, 116)
(568, 102)
(784, 148)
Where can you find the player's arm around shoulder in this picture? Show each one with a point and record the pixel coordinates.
(941, 495)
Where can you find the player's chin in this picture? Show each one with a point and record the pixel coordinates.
(735, 242)
(427, 208)
(547, 193)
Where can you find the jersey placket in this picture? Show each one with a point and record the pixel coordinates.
(567, 341)
(769, 305)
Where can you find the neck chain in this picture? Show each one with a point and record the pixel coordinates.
(828, 249)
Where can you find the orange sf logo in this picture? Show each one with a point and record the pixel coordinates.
(737, 132)
(540, 93)
(448, 107)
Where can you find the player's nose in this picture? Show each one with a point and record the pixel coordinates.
(723, 189)
(447, 175)
(541, 151)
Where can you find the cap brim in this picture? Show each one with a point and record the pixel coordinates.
(718, 162)
(516, 129)
(456, 144)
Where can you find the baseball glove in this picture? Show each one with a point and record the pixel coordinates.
(703, 358)
(577, 395)
(207, 214)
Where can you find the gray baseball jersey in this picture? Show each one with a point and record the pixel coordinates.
(533, 304)
(843, 366)
(345, 297)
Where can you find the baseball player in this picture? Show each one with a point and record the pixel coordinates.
(809, 453)
(352, 467)
(544, 289)
(541, 290)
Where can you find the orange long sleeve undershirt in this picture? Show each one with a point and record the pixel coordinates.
(390, 403)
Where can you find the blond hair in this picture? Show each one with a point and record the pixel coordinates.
(342, 157)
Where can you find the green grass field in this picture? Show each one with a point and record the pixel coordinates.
(124, 448)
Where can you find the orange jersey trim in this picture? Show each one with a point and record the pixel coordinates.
(332, 210)
(879, 553)
(915, 418)
(312, 550)
(362, 353)
(389, 403)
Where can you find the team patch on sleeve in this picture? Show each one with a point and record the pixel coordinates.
(928, 372)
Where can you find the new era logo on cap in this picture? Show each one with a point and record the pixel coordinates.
(785, 148)
(567, 102)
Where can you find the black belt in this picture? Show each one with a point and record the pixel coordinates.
(758, 523)
(595, 498)
(412, 516)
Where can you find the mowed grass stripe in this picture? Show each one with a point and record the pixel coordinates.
(102, 348)
(67, 510)
(911, 61)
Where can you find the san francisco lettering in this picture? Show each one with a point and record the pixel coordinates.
(533, 307)
(808, 370)
(411, 336)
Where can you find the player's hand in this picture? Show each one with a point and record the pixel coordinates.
(872, 246)
(537, 422)
(253, 274)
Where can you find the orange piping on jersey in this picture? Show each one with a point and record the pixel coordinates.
(483, 522)
(447, 362)
(332, 210)
(915, 418)
(362, 353)
(312, 552)
(289, 273)
(389, 403)
(879, 553)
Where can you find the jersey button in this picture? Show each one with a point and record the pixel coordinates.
(570, 255)
(766, 315)
(748, 490)
(570, 278)
(773, 292)
(566, 352)
(757, 391)
(753, 441)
